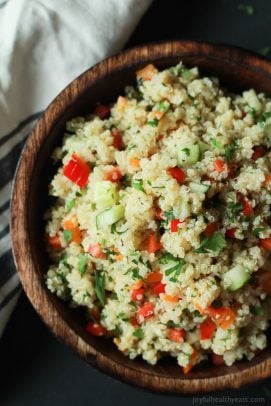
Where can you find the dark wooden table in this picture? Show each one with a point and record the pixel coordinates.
(35, 368)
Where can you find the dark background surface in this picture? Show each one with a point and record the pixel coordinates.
(38, 370)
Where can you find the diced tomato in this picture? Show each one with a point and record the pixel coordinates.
(207, 329)
(217, 360)
(77, 170)
(266, 243)
(258, 152)
(102, 111)
(174, 225)
(154, 277)
(144, 312)
(117, 139)
(247, 209)
(177, 173)
(222, 316)
(219, 165)
(114, 175)
(154, 243)
(230, 233)
(137, 294)
(158, 288)
(176, 334)
(95, 329)
(158, 214)
(55, 242)
(210, 229)
(96, 251)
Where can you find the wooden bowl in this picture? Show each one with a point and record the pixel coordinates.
(237, 70)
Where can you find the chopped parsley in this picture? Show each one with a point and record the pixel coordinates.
(67, 235)
(82, 263)
(163, 106)
(215, 243)
(263, 118)
(175, 265)
(230, 150)
(139, 333)
(247, 8)
(256, 231)
(138, 185)
(153, 122)
(169, 215)
(126, 180)
(99, 282)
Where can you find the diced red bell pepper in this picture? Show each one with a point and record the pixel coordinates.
(77, 170)
(176, 334)
(266, 244)
(95, 329)
(144, 312)
(117, 139)
(247, 209)
(258, 152)
(177, 173)
(137, 294)
(96, 251)
(114, 175)
(207, 329)
(55, 242)
(154, 243)
(210, 229)
(174, 225)
(158, 288)
(154, 277)
(102, 111)
(217, 360)
(230, 233)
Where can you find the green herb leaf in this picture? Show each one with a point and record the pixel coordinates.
(257, 230)
(67, 235)
(216, 243)
(82, 263)
(126, 180)
(169, 215)
(257, 310)
(153, 123)
(230, 150)
(139, 333)
(247, 8)
(99, 283)
(263, 118)
(70, 204)
(163, 106)
(138, 185)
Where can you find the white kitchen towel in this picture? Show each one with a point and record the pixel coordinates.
(45, 44)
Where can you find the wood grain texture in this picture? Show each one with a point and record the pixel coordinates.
(238, 70)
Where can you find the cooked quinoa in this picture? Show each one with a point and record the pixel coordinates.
(160, 228)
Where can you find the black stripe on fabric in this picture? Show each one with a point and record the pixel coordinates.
(4, 232)
(9, 296)
(5, 206)
(7, 267)
(20, 126)
(9, 162)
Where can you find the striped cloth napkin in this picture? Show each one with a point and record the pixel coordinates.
(44, 45)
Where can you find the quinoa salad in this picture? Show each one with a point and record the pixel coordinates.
(160, 224)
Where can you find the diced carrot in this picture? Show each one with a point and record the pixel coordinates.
(154, 243)
(134, 162)
(76, 235)
(138, 284)
(193, 359)
(121, 103)
(154, 277)
(70, 223)
(119, 257)
(55, 242)
(210, 229)
(114, 175)
(147, 72)
(222, 316)
(267, 180)
(170, 299)
(158, 114)
(219, 165)
(266, 244)
(199, 308)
